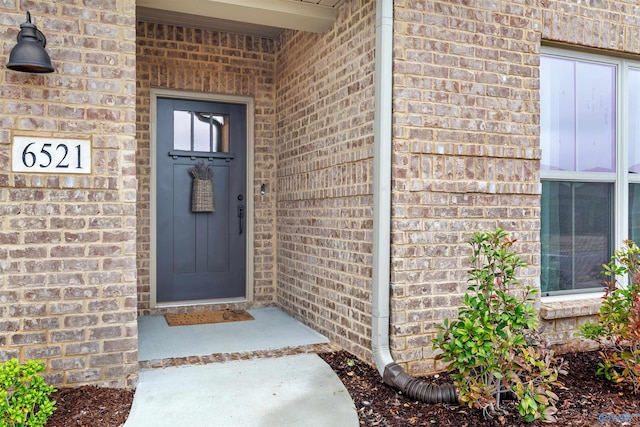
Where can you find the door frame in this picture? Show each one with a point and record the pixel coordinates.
(249, 267)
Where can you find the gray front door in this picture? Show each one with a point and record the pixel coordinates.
(200, 255)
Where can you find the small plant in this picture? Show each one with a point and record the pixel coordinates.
(618, 327)
(24, 395)
(493, 347)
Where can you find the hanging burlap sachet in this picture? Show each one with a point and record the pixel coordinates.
(202, 191)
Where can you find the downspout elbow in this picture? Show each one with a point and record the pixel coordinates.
(418, 389)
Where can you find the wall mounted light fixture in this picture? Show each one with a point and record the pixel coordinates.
(29, 55)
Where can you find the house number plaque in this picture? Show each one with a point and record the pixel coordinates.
(51, 155)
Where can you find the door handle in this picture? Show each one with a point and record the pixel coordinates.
(241, 216)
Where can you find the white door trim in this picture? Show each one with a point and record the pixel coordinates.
(199, 96)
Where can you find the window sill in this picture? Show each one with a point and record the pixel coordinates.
(564, 309)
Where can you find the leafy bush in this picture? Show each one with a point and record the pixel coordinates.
(493, 347)
(618, 327)
(24, 395)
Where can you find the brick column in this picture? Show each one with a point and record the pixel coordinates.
(67, 254)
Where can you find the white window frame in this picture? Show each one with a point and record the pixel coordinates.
(621, 178)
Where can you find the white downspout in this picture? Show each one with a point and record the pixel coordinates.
(382, 184)
(392, 373)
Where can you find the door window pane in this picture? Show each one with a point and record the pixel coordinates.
(220, 133)
(202, 132)
(577, 122)
(576, 234)
(182, 130)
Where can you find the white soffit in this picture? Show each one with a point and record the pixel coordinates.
(256, 17)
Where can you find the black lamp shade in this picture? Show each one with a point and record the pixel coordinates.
(29, 55)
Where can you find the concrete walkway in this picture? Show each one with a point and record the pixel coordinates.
(290, 390)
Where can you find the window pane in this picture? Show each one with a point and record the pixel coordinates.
(218, 134)
(595, 125)
(557, 113)
(576, 235)
(634, 120)
(577, 122)
(182, 130)
(634, 212)
(202, 132)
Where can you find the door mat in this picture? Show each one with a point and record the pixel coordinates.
(202, 317)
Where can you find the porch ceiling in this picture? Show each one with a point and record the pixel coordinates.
(255, 17)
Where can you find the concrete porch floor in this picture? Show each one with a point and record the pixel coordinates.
(269, 375)
(272, 329)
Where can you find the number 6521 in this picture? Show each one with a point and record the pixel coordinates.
(51, 155)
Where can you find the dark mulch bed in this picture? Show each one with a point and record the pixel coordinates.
(587, 401)
(90, 406)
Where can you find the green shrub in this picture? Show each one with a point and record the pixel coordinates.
(24, 395)
(493, 347)
(618, 327)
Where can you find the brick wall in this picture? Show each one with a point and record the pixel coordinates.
(465, 155)
(178, 58)
(324, 215)
(466, 144)
(466, 158)
(67, 242)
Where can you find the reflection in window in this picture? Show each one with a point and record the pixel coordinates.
(578, 121)
(202, 132)
(633, 126)
(634, 120)
(182, 130)
(576, 234)
(634, 212)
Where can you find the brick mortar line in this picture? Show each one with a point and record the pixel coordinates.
(329, 347)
